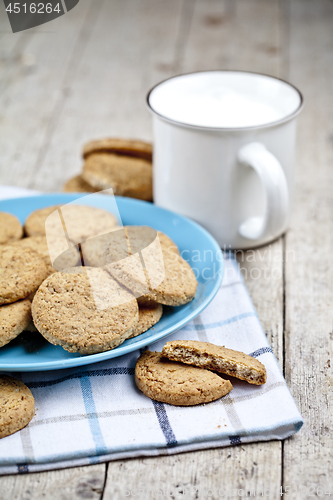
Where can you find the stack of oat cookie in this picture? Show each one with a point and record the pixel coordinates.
(125, 165)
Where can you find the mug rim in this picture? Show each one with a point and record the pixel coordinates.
(229, 129)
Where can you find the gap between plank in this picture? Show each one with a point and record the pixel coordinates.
(105, 479)
(284, 8)
(283, 339)
(185, 23)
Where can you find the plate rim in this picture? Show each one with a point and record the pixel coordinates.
(113, 353)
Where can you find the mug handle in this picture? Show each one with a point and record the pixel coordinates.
(275, 186)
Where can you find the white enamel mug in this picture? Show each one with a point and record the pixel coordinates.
(224, 144)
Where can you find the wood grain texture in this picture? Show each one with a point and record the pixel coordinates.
(213, 36)
(132, 46)
(263, 273)
(167, 37)
(33, 92)
(68, 484)
(9, 43)
(89, 79)
(235, 35)
(308, 459)
(216, 474)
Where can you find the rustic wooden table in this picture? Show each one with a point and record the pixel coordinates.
(85, 75)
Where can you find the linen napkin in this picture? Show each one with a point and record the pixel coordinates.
(95, 413)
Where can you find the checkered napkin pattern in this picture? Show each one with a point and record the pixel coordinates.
(94, 414)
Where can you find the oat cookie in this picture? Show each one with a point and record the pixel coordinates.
(106, 248)
(84, 310)
(128, 268)
(83, 222)
(168, 246)
(172, 284)
(167, 278)
(10, 228)
(80, 222)
(78, 185)
(112, 251)
(175, 383)
(69, 258)
(17, 405)
(217, 358)
(35, 222)
(149, 315)
(131, 274)
(14, 318)
(127, 147)
(145, 300)
(22, 270)
(140, 237)
(127, 176)
(178, 286)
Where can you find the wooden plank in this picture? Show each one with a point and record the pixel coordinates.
(33, 94)
(73, 484)
(131, 48)
(88, 98)
(308, 456)
(262, 270)
(213, 37)
(236, 34)
(8, 40)
(216, 474)
(31, 97)
(133, 45)
(247, 468)
(12, 52)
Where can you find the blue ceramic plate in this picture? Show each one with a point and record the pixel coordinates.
(31, 352)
